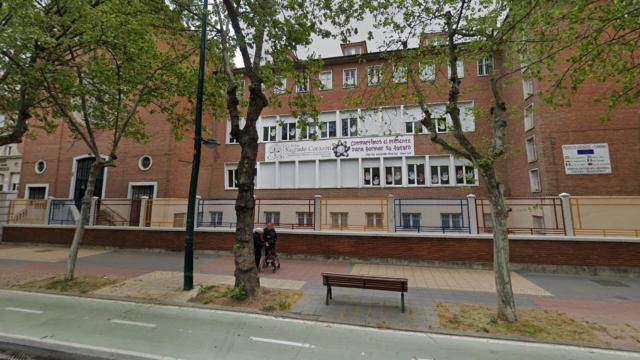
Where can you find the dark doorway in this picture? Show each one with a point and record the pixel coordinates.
(37, 192)
(83, 166)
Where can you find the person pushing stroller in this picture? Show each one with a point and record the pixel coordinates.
(270, 237)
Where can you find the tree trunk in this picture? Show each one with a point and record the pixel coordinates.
(245, 272)
(499, 215)
(85, 210)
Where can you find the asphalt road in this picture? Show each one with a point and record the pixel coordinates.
(123, 330)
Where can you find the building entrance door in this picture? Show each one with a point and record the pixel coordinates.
(83, 166)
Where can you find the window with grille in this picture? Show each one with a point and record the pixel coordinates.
(339, 219)
(451, 221)
(415, 174)
(375, 220)
(411, 220)
(304, 218)
(272, 217)
(215, 218)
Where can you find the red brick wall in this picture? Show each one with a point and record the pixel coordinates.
(479, 249)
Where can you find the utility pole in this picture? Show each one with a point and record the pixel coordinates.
(195, 166)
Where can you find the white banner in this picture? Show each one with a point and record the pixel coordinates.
(348, 148)
(586, 159)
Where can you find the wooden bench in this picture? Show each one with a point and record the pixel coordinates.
(364, 282)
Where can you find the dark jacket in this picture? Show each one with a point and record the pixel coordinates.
(258, 243)
(270, 236)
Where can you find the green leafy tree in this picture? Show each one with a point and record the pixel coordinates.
(125, 56)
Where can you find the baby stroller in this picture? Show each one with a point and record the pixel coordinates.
(271, 257)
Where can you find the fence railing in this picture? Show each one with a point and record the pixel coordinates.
(564, 215)
(605, 215)
(443, 215)
(527, 215)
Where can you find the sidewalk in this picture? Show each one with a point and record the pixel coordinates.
(611, 301)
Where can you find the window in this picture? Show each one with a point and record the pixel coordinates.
(427, 72)
(232, 177)
(303, 85)
(138, 191)
(339, 219)
(415, 174)
(36, 192)
(527, 88)
(534, 180)
(371, 176)
(451, 221)
(40, 166)
(440, 175)
(7, 150)
(374, 75)
(1, 182)
(281, 86)
(399, 74)
(531, 149)
(349, 125)
(485, 66)
(465, 175)
(308, 132)
(304, 218)
(459, 68)
(413, 127)
(289, 131)
(230, 139)
(529, 121)
(329, 129)
(375, 220)
(355, 50)
(272, 217)
(411, 220)
(393, 175)
(326, 80)
(15, 180)
(145, 162)
(269, 133)
(441, 124)
(215, 218)
(349, 78)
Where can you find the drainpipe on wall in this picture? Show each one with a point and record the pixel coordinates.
(566, 214)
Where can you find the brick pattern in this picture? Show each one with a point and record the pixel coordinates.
(547, 252)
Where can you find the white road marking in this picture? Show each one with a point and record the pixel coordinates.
(56, 344)
(282, 342)
(135, 323)
(29, 311)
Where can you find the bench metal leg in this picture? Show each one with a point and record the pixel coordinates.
(402, 300)
(326, 301)
(330, 293)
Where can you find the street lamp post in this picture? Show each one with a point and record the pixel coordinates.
(195, 166)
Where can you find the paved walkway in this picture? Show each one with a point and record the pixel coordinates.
(614, 301)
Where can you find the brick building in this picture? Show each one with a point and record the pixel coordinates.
(388, 152)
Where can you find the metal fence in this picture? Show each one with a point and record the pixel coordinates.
(25, 211)
(63, 212)
(443, 215)
(354, 214)
(606, 215)
(284, 213)
(117, 212)
(527, 215)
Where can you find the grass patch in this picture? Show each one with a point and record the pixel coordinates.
(536, 324)
(267, 300)
(79, 285)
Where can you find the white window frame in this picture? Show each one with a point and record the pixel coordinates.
(371, 184)
(371, 74)
(229, 140)
(527, 88)
(282, 88)
(325, 127)
(394, 170)
(529, 117)
(287, 125)
(27, 187)
(344, 78)
(142, 183)
(140, 162)
(451, 181)
(304, 87)
(413, 224)
(460, 67)
(400, 73)
(342, 224)
(535, 171)
(353, 50)
(413, 124)
(349, 132)
(427, 75)
(216, 223)
(437, 121)
(308, 135)
(532, 149)
(227, 168)
(270, 127)
(323, 85)
(378, 220)
(485, 66)
(465, 181)
(275, 215)
(449, 217)
(307, 216)
(35, 166)
(414, 166)
(74, 168)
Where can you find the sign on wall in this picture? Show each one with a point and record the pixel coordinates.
(360, 147)
(586, 159)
